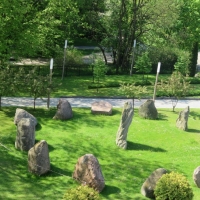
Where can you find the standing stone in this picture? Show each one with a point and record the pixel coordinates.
(38, 158)
(196, 176)
(64, 110)
(126, 119)
(88, 172)
(182, 120)
(149, 185)
(101, 107)
(25, 138)
(21, 113)
(148, 110)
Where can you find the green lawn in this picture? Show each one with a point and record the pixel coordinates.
(79, 86)
(151, 145)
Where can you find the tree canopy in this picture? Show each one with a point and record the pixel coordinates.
(30, 28)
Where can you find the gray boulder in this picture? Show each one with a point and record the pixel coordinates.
(88, 172)
(25, 138)
(149, 185)
(196, 176)
(101, 107)
(38, 158)
(126, 119)
(21, 113)
(148, 110)
(64, 110)
(182, 121)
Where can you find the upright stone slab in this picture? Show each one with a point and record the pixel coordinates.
(101, 107)
(182, 121)
(196, 176)
(25, 138)
(64, 110)
(21, 113)
(149, 185)
(148, 110)
(126, 119)
(38, 158)
(88, 172)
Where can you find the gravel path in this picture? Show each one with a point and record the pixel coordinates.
(86, 102)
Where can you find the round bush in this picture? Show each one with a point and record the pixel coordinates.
(82, 192)
(173, 186)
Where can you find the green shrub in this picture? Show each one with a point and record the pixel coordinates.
(173, 186)
(82, 192)
(193, 80)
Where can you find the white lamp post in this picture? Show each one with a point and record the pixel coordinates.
(134, 45)
(51, 68)
(65, 47)
(158, 71)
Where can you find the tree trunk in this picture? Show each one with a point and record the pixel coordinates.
(104, 55)
(193, 60)
(34, 103)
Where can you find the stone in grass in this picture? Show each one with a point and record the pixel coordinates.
(38, 158)
(88, 172)
(126, 119)
(64, 110)
(149, 185)
(182, 121)
(101, 107)
(196, 176)
(148, 110)
(25, 138)
(21, 113)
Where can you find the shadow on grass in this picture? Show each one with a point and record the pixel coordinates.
(195, 115)
(109, 189)
(190, 130)
(56, 171)
(38, 127)
(137, 146)
(162, 117)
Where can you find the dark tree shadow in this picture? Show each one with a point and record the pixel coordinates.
(108, 189)
(38, 127)
(56, 171)
(162, 117)
(194, 115)
(137, 146)
(193, 130)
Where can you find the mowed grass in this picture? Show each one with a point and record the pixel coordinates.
(79, 86)
(151, 144)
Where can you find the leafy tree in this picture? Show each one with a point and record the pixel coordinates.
(8, 82)
(99, 69)
(129, 20)
(183, 61)
(175, 87)
(19, 34)
(143, 64)
(132, 91)
(185, 31)
(37, 85)
(57, 22)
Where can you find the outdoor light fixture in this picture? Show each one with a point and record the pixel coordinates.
(51, 68)
(63, 71)
(134, 45)
(158, 71)
(51, 63)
